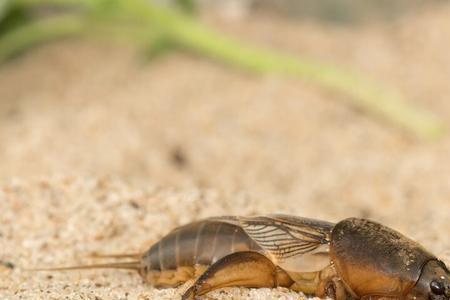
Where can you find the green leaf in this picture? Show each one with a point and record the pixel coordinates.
(11, 16)
(4, 8)
(159, 46)
(187, 6)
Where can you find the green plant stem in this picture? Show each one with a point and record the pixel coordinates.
(30, 3)
(363, 94)
(22, 38)
(191, 35)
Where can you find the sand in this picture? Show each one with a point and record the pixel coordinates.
(102, 153)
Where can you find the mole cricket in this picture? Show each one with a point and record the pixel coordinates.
(352, 259)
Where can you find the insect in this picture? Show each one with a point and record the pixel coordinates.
(352, 259)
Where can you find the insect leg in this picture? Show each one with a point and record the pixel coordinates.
(119, 255)
(332, 286)
(248, 269)
(382, 297)
(335, 289)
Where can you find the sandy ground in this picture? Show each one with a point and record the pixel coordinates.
(100, 152)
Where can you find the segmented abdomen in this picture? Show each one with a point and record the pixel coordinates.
(198, 243)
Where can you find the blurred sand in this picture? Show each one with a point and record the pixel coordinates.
(102, 153)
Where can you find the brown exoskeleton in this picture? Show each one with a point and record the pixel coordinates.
(355, 258)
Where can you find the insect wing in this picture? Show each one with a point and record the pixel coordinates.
(295, 244)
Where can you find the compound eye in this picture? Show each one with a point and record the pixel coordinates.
(437, 287)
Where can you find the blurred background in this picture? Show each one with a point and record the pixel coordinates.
(210, 100)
